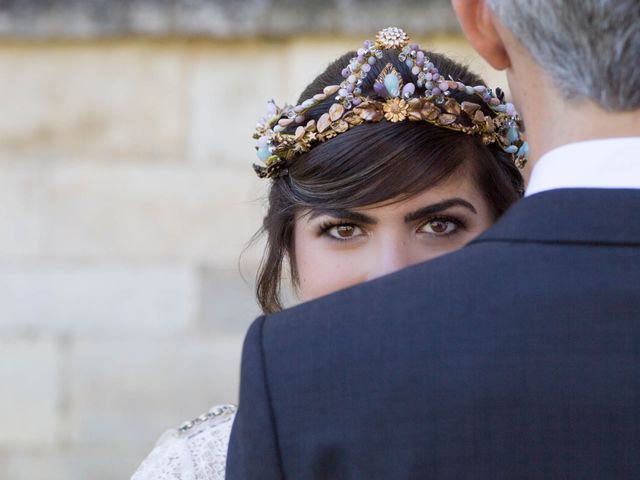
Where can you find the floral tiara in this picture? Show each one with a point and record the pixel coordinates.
(394, 101)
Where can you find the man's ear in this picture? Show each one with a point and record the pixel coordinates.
(478, 24)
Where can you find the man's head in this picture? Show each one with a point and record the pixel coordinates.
(590, 47)
(572, 64)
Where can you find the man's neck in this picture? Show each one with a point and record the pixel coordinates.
(550, 119)
(571, 122)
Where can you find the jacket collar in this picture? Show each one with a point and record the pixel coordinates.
(578, 216)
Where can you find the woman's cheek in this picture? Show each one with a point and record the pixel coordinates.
(324, 272)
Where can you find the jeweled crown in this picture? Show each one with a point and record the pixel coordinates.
(394, 101)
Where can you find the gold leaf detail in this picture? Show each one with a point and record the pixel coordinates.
(300, 131)
(335, 112)
(415, 104)
(324, 122)
(329, 134)
(452, 106)
(352, 118)
(340, 126)
(489, 123)
(369, 112)
(470, 108)
(430, 112)
(446, 119)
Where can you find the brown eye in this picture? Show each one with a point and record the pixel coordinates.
(344, 232)
(439, 227)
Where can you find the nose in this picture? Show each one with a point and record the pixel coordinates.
(390, 257)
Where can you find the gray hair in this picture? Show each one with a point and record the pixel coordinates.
(590, 47)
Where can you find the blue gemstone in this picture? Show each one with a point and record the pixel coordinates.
(264, 153)
(512, 135)
(524, 150)
(511, 149)
(392, 84)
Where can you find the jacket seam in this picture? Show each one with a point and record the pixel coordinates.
(558, 242)
(272, 415)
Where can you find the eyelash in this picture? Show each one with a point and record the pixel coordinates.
(328, 225)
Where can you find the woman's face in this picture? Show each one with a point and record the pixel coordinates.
(340, 248)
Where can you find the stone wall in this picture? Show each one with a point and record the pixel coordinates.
(220, 19)
(126, 201)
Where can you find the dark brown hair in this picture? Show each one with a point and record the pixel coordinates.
(375, 163)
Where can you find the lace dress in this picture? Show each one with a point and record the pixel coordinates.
(195, 451)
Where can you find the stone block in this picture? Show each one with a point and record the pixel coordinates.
(121, 100)
(228, 90)
(99, 300)
(228, 94)
(215, 18)
(21, 221)
(227, 300)
(127, 393)
(30, 398)
(145, 212)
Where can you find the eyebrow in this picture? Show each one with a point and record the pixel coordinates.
(419, 214)
(438, 207)
(343, 214)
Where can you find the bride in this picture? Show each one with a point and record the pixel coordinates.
(392, 156)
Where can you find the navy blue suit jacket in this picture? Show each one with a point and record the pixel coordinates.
(517, 357)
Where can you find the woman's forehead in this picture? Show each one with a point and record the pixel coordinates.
(454, 192)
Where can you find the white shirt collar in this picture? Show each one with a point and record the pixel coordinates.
(608, 163)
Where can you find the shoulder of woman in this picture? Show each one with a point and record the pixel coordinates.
(197, 450)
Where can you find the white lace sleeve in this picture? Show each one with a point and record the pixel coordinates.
(195, 451)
